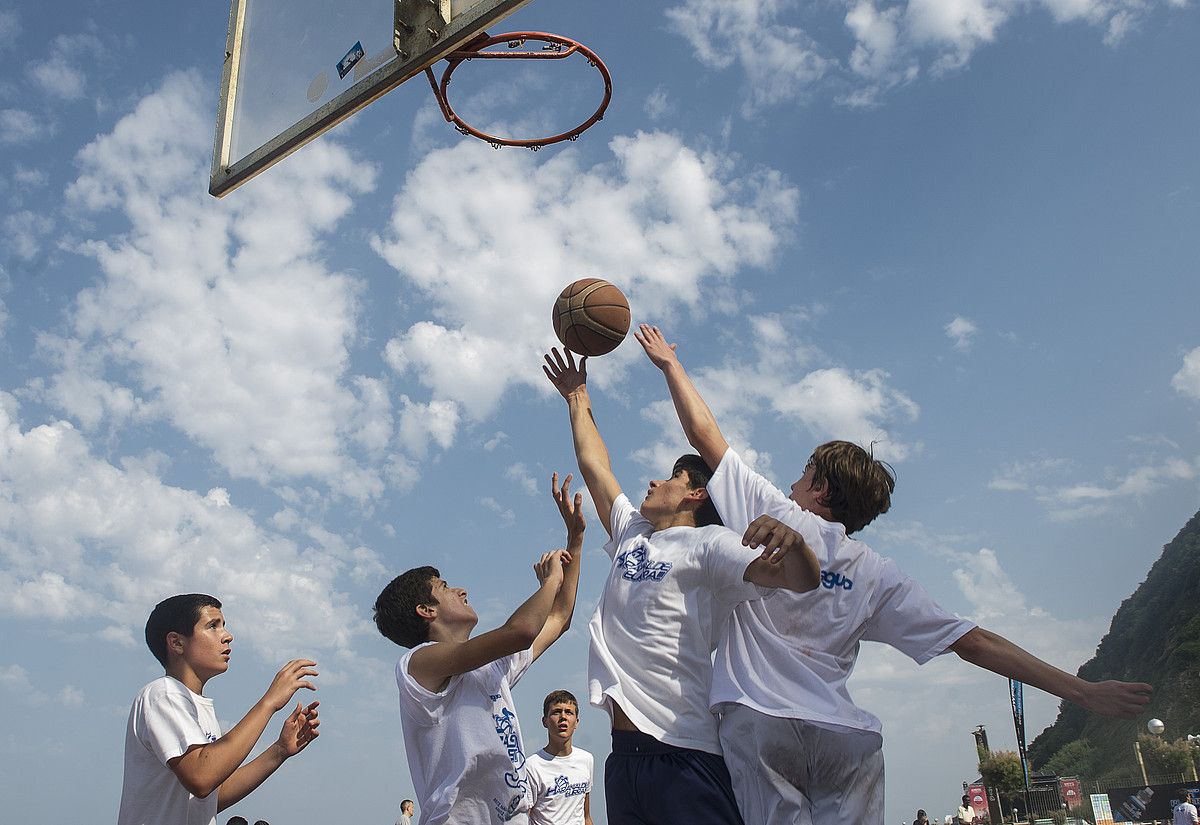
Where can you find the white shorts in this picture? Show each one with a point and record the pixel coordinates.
(793, 772)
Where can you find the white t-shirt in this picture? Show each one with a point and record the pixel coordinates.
(166, 719)
(464, 744)
(1184, 814)
(668, 595)
(558, 785)
(790, 654)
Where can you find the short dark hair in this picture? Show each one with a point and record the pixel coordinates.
(858, 487)
(178, 614)
(555, 697)
(396, 608)
(237, 820)
(698, 475)
(404, 802)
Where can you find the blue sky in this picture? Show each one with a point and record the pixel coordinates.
(963, 229)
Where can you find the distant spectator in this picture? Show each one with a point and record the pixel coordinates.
(1185, 811)
(406, 813)
(237, 820)
(966, 814)
(922, 818)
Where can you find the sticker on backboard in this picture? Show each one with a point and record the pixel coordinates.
(353, 56)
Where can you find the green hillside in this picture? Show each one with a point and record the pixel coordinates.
(1155, 638)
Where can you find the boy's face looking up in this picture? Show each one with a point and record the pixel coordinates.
(452, 605)
(560, 722)
(807, 493)
(664, 497)
(206, 652)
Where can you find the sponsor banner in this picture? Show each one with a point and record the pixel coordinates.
(1101, 809)
(977, 796)
(1146, 803)
(1071, 792)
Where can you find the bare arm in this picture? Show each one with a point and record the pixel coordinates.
(559, 620)
(587, 809)
(299, 729)
(997, 654)
(786, 561)
(590, 453)
(699, 424)
(205, 767)
(433, 666)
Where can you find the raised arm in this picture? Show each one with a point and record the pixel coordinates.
(997, 654)
(591, 454)
(697, 419)
(559, 620)
(204, 768)
(299, 729)
(433, 666)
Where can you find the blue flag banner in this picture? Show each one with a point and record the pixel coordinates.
(1018, 709)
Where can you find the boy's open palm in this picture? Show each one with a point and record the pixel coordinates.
(299, 729)
(563, 372)
(549, 568)
(571, 509)
(660, 353)
(291, 677)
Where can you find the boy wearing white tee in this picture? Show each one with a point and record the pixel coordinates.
(461, 732)
(676, 574)
(560, 774)
(799, 749)
(179, 768)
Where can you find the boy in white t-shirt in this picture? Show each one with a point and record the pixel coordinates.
(798, 747)
(675, 577)
(560, 774)
(179, 768)
(461, 732)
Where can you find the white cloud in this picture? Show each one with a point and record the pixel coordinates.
(30, 178)
(962, 332)
(688, 222)
(506, 516)
(83, 541)
(1187, 380)
(10, 29)
(519, 474)
(24, 232)
(19, 126)
(780, 61)
(60, 74)
(658, 104)
(220, 316)
(70, 697)
(891, 43)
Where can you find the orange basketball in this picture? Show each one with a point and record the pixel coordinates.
(591, 317)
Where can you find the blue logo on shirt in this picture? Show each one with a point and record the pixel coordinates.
(506, 812)
(506, 729)
(830, 580)
(563, 787)
(638, 568)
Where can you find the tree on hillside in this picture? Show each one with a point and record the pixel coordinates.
(1165, 758)
(1001, 770)
(1076, 758)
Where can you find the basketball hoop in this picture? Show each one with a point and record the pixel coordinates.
(556, 47)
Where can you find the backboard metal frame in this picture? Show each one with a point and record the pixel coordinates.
(228, 173)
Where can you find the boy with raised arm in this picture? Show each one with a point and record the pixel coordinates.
(798, 747)
(460, 729)
(179, 768)
(676, 574)
(560, 774)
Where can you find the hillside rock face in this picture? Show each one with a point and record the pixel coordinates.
(1155, 638)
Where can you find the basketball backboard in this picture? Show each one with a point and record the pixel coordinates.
(294, 68)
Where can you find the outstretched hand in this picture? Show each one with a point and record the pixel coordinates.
(570, 509)
(291, 677)
(1124, 700)
(549, 568)
(563, 373)
(299, 729)
(660, 353)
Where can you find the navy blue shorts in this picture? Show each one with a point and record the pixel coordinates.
(649, 783)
